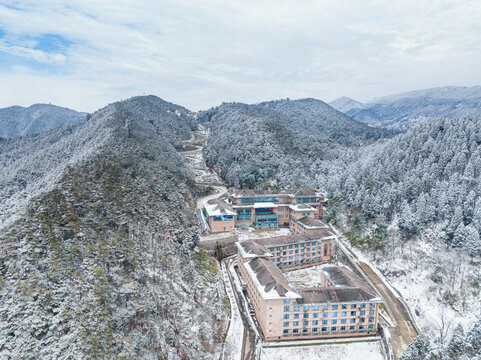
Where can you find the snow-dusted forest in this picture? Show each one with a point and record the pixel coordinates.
(99, 258)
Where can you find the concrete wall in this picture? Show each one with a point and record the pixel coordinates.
(221, 226)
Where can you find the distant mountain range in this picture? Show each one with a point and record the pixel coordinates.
(18, 121)
(401, 111)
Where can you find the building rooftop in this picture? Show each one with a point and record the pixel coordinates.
(335, 295)
(270, 280)
(340, 276)
(216, 207)
(301, 207)
(251, 249)
(261, 205)
(312, 223)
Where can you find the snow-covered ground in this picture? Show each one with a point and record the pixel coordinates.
(439, 285)
(308, 277)
(235, 334)
(351, 351)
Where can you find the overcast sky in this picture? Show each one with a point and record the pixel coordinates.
(84, 54)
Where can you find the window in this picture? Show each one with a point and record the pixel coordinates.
(306, 315)
(334, 321)
(352, 321)
(305, 323)
(315, 315)
(305, 330)
(324, 314)
(371, 319)
(285, 323)
(334, 307)
(334, 314)
(296, 316)
(286, 331)
(343, 328)
(343, 313)
(315, 307)
(352, 327)
(296, 307)
(371, 312)
(286, 316)
(223, 218)
(286, 301)
(324, 322)
(353, 313)
(343, 321)
(363, 305)
(361, 319)
(371, 304)
(333, 328)
(315, 322)
(314, 329)
(325, 307)
(344, 306)
(286, 308)
(353, 306)
(370, 326)
(295, 331)
(295, 323)
(324, 329)
(361, 327)
(362, 312)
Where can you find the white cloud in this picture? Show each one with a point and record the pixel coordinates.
(199, 53)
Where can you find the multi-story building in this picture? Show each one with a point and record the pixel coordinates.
(292, 251)
(341, 306)
(268, 209)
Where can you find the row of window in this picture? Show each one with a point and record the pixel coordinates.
(326, 314)
(223, 217)
(295, 246)
(296, 262)
(326, 322)
(326, 306)
(306, 200)
(259, 200)
(325, 329)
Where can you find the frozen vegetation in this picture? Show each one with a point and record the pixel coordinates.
(281, 143)
(101, 261)
(18, 121)
(402, 111)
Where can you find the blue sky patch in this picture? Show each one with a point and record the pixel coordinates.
(52, 43)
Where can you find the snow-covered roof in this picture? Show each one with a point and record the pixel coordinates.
(218, 207)
(269, 280)
(312, 223)
(251, 249)
(301, 207)
(264, 205)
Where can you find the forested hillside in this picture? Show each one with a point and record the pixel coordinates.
(431, 175)
(20, 121)
(281, 143)
(102, 263)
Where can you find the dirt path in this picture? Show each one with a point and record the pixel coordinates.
(405, 332)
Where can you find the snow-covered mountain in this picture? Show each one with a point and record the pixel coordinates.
(344, 104)
(98, 255)
(401, 111)
(20, 121)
